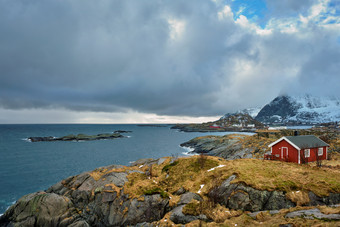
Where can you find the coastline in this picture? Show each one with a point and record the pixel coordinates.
(54, 161)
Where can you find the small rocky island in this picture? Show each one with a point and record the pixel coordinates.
(79, 137)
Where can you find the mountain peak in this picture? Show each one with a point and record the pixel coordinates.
(304, 109)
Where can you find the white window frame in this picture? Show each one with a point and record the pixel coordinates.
(320, 151)
(307, 153)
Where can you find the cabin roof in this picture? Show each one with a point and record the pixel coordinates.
(302, 142)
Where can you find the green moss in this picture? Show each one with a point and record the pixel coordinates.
(156, 191)
(287, 185)
(166, 168)
(191, 208)
(35, 202)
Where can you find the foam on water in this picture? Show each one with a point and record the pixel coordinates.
(26, 140)
(188, 151)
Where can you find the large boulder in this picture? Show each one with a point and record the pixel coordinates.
(40, 209)
(178, 217)
(239, 196)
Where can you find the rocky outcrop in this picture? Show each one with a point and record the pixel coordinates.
(84, 200)
(242, 197)
(239, 196)
(228, 148)
(105, 197)
(313, 214)
(79, 137)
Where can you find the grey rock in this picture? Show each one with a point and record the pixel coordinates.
(178, 217)
(180, 191)
(240, 196)
(312, 214)
(38, 209)
(144, 224)
(143, 161)
(229, 149)
(161, 161)
(188, 197)
(116, 178)
(81, 223)
(332, 199)
(135, 171)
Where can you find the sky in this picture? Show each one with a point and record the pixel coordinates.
(157, 61)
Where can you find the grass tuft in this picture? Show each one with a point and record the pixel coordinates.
(156, 191)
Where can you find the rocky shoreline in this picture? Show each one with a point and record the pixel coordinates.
(153, 193)
(207, 128)
(229, 147)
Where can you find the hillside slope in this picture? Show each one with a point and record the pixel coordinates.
(171, 191)
(230, 122)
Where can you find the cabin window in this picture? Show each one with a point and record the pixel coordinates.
(307, 153)
(320, 151)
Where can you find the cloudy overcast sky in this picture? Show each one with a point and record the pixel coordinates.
(143, 61)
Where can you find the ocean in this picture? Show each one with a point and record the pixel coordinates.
(27, 167)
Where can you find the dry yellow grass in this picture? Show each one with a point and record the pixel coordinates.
(301, 198)
(260, 174)
(192, 172)
(266, 219)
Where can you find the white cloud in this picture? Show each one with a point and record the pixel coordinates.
(177, 28)
(225, 13)
(60, 115)
(246, 24)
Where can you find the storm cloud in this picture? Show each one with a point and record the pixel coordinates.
(192, 58)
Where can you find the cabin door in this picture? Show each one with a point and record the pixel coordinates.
(284, 153)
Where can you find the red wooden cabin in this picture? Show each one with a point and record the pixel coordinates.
(299, 149)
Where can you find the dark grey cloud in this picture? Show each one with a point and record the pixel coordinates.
(116, 56)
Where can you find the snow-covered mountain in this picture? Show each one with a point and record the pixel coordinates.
(250, 111)
(306, 109)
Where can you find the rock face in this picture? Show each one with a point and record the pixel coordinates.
(229, 148)
(41, 209)
(313, 214)
(83, 201)
(242, 197)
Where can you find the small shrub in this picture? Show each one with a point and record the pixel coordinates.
(202, 159)
(166, 168)
(202, 163)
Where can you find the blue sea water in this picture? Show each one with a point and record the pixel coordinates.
(26, 167)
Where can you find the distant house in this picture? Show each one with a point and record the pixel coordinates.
(214, 126)
(299, 149)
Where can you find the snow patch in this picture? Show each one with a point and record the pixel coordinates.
(215, 168)
(199, 191)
